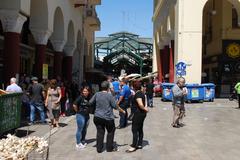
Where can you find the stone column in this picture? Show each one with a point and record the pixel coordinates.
(159, 62)
(171, 63)
(68, 62)
(188, 38)
(41, 39)
(12, 23)
(165, 60)
(58, 56)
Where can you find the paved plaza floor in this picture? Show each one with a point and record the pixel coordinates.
(212, 132)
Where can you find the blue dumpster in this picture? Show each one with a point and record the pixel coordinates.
(195, 93)
(209, 91)
(167, 91)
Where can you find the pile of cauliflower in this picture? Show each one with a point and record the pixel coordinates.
(15, 148)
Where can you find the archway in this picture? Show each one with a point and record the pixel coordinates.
(58, 25)
(221, 44)
(58, 41)
(69, 49)
(78, 60)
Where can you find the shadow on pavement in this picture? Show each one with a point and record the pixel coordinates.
(88, 141)
(23, 133)
(62, 124)
(145, 143)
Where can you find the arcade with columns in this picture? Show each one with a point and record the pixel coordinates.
(204, 34)
(58, 33)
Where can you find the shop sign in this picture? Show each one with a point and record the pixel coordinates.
(45, 71)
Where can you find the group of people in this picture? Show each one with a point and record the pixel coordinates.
(101, 104)
(117, 94)
(51, 98)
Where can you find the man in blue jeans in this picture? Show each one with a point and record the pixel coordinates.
(123, 102)
(36, 91)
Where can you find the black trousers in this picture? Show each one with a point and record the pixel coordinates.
(101, 125)
(239, 100)
(137, 128)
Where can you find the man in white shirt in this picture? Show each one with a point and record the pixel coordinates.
(13, 87)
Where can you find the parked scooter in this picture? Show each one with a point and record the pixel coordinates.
(233, 96)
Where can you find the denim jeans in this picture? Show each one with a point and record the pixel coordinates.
(82, 124)
(150, 100)
(123, 117)
(40, 108)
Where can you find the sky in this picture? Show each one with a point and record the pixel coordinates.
(126, 15)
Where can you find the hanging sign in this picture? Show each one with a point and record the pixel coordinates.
(45, 71)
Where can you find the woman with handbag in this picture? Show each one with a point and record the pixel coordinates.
(81, 107)
(52, 103)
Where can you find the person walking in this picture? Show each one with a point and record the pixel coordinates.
(81, 108)
(237, 88)
(13, 87)
(138, 117)
(179, 92)
(123, 102)
(149, 93)
(52, 102)
(104, 117)
(36, 92)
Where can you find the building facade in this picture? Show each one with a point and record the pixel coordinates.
(53, 34)
(204, 34)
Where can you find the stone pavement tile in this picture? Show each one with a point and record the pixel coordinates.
(211, 133)
(42, 130)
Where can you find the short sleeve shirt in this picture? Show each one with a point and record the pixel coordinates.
(126, 92)
(82, 104)
(13, 88)
(138, 94)
(35, 91)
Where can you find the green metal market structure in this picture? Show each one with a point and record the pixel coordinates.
(124, 50)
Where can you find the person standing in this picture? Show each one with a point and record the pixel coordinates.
(52, 102)
(63, 99)
(179, 92)
(149, 93)
(36, 92)
(13, 87)
(81, 108)
(138, 117)
(123, 102)
(104, 117)
(116, 88)
(237, 88)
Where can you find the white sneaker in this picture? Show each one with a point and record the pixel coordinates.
(80, 146)
(85, 144)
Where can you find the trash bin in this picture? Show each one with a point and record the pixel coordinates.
(10, 111)
(167, 91)
(195, 93)
(209, 91)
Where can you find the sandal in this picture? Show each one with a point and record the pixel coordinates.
(130, 150)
